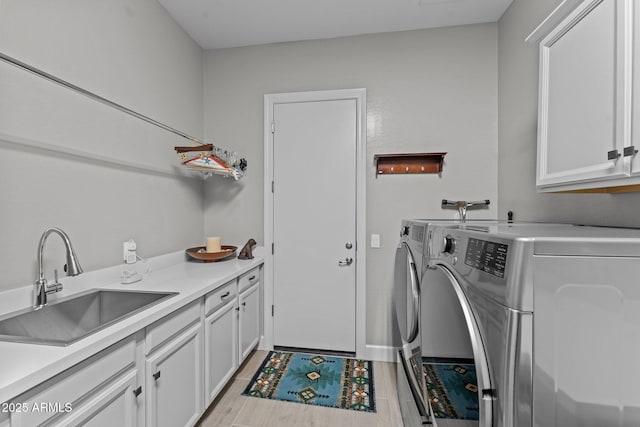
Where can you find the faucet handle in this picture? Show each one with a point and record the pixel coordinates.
(55, 286)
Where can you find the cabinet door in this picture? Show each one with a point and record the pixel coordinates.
(113, 406)
(221, 349)
(581, 119)
(632, 155)
(174, 381)
(249, 320)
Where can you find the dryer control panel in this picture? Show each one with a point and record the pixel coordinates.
(490, 257)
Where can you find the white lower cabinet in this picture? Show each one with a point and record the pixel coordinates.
(249, 320)
(221, 348)
(163, 375)
(174, 396)
(96, 392)
(114, 406)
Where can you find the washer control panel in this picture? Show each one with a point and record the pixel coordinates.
(490, 257)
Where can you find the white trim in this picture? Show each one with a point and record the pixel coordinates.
(360, 96)
(558, 15)
(381, 353)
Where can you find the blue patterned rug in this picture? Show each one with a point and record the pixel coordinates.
(315, 380)
(453, 390)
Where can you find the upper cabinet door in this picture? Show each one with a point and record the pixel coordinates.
(631, 155)
(581, 113)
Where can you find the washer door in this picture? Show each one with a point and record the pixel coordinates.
(411, 383)
(486, 389)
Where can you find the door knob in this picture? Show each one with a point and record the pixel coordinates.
(347, 261)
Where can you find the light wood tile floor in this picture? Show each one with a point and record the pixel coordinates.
(231, 409)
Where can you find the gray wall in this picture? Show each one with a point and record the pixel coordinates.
(518, 89)
(449, 89)
(134, 54)
(427, 90)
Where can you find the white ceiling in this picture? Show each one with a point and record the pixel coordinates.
(217, 24)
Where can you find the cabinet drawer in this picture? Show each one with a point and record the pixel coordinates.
(167, 327)
(249, 278)
(220, 297)
(60, 394)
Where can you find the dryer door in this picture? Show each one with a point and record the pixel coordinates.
(443, 327)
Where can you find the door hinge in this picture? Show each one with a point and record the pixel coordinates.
(273, 187)
(273, 127)
(272, 248)
(273, 310)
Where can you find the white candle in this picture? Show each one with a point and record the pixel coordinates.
(213, 244)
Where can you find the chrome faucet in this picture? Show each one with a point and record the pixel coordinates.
(72, 268)
(463, 206)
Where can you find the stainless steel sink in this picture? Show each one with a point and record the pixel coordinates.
(69, 320)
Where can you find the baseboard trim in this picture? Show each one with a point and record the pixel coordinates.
(381, 353)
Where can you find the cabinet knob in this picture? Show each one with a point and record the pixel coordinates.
(156, 375)
(251, 278)
(226, 294)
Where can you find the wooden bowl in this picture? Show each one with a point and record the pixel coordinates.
(199, 254)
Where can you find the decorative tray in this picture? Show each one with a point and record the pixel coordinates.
(200, 253)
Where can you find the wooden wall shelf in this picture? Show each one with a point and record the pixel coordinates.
(410, 163)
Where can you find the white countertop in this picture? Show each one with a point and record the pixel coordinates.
(23, 366)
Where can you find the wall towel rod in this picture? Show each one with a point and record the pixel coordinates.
(232, 167)
(52, 78)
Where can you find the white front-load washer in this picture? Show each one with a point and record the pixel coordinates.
(429, 320)
(553, 315)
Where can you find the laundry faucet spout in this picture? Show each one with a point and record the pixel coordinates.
(72, 267)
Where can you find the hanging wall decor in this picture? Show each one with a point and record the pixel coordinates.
(408, 163)
(212, 160)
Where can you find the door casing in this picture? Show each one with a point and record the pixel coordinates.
(359, 95)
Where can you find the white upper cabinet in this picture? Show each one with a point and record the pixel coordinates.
(635, 106)
(578, 109)
(585, 101)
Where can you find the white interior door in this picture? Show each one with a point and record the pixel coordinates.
(314, 224)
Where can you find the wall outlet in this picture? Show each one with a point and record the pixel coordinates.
(375, 240)
(129, 252)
